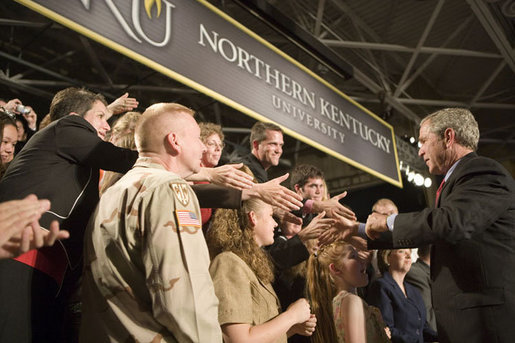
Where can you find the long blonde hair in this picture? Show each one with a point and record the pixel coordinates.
(321, 290)
(231, 231)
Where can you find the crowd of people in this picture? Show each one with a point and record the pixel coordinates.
(133, 233)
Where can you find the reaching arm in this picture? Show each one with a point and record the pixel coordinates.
(333, 207)
(123, 104)
(20, 230)
(270, 331)
(228, 175)
(274, 194)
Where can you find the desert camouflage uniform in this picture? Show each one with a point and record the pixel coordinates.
(146, 275)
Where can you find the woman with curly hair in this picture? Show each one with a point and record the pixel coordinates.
(332, 278)
(242, 274)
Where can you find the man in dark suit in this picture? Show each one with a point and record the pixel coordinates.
(472, 230)
(419, 276)
(60, 163)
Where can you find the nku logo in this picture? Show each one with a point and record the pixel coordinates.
(137, 33)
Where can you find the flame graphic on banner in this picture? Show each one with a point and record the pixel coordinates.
(148, 7)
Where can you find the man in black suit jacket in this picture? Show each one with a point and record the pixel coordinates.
(60, 163)
(472, 230)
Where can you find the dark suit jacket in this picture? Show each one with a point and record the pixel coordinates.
(61, 163)
(404, 315)
(473, 256)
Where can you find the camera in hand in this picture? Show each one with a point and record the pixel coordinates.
(22, 109)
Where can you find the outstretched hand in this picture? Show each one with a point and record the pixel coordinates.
(123, 104)
(316, 227)
(343, 229)
(20, 230)
(376, 224)
(333, 207)
(229, 175)
(276, 195)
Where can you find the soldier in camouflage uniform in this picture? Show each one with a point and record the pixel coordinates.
(146, 273)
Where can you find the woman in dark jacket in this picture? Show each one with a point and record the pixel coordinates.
(400, 303)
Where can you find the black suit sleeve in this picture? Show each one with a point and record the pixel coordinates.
(214, 196)
(478, 193)
(287, 253)
(77, 141)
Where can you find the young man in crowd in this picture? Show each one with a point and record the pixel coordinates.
(266, 148)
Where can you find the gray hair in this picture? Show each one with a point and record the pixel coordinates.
(460, 120)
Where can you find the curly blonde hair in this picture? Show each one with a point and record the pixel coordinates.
(231, 231)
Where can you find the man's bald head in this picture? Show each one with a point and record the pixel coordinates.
(385, 206)
(157, 122)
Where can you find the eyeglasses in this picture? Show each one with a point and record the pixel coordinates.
(213, 144)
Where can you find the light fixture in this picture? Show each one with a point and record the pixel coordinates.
(419, 179)
(411, 176)
(412, 140)
(428, 182)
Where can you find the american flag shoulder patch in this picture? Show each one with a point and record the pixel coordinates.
(187, 218)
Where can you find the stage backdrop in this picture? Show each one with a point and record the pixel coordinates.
(200, 46)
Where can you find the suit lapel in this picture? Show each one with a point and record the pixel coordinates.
(447, 186)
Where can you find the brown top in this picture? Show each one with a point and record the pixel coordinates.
(243, 298)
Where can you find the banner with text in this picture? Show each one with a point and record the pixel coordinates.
(200, 46)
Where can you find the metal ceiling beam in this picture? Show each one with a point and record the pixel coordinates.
(298, 35)
(50, 72)
(17, 85)
(23, 23)
(320, 17)
(375, 68)
(39, 68)
(419, 46)
(402, 48)
(349, 12)
(95, 60)
(488, 82)
(24, 74)
(494, 30)
(431, 58)
(376, 89)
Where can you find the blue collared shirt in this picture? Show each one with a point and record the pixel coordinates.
(390, 220)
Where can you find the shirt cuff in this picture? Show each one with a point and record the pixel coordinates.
(361, 231)
(308, 206)
(390, 220)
